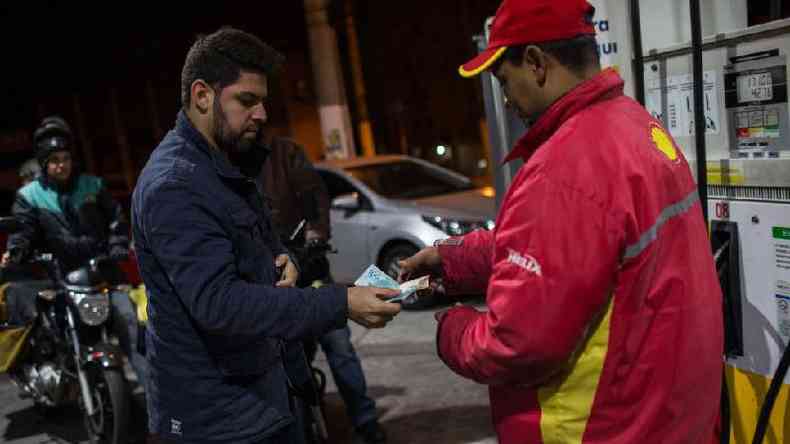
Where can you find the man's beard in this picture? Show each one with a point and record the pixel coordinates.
(247, 154)
(229, 141)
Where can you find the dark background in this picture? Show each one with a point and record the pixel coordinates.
(112, 70)
(121, 65)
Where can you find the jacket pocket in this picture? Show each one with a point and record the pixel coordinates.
(254, 257)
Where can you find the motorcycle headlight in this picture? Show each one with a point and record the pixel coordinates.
(455, 227)
(94, 309)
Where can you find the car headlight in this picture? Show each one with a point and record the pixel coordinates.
(94, 309)
(455, 227)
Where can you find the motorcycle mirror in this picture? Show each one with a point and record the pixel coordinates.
(10, 224)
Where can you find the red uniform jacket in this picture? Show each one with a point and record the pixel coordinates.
(604, 319)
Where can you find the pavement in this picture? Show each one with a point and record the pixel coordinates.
(419, 400)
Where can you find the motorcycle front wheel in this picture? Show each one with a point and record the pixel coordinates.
(109, 423)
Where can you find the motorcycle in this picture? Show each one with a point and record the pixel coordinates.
(65, 354)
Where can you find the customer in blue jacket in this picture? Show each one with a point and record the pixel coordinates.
(219, 309)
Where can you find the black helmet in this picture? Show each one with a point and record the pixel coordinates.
(53, 134)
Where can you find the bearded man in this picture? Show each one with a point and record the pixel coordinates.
(223, 312)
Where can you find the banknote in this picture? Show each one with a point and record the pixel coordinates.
(409, 287)
(374, 277)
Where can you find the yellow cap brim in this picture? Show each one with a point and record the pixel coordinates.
(482, 62)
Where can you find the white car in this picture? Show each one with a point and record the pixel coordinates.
(386, 208)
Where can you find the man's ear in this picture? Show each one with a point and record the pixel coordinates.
(202, 96)
(536, 61)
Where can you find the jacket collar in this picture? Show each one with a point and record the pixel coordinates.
(65, 188)
(606, 85)
(187, 130)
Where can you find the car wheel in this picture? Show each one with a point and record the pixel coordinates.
(389, 264)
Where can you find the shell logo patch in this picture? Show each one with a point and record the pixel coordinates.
(663, 142)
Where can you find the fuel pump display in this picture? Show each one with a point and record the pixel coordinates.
(756, 101)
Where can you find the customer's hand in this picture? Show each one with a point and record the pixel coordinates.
(366, 307)
(426, 261)
(5, 260)
(289, 274)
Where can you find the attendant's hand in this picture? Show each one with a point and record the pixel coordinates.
(426, 261)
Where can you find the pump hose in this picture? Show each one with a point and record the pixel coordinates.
(770, 397)
(725, 411)
(724, 438)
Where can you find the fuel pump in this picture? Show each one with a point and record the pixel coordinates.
(750, 204)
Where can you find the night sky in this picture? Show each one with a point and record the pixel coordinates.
(59, 48)
(56, 53)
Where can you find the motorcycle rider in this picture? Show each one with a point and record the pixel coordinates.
(74, 217)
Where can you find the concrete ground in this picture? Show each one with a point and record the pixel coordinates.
(419, 399)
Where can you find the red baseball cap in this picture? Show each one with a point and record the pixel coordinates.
(519, 22)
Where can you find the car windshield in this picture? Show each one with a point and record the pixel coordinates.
(407, 180)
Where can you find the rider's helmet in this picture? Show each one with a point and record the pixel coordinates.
(52, 135)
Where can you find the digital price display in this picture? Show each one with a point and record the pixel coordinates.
(755, 87)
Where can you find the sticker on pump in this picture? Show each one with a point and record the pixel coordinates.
(783, 316)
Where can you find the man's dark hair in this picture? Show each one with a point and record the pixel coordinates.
(219, 58)
(576, 54)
